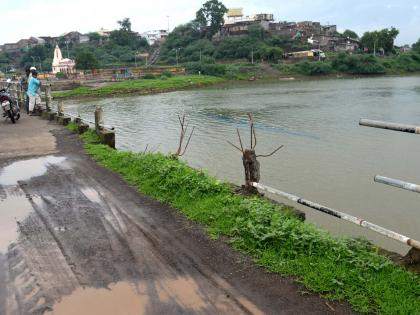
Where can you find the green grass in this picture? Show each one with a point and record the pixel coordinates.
(336, 268)
(142, 86)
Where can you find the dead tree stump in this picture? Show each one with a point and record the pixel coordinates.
(252, 170)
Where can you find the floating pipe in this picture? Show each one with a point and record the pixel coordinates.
(389, 126)
(341, 215)
(397, 183)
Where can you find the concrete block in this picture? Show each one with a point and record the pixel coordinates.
(64, 120)
(82, 128)
(107, 137)
(52, 116)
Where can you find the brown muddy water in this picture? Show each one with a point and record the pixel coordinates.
(327, 157)
(12, 196)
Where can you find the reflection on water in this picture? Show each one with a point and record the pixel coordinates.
(327, 157)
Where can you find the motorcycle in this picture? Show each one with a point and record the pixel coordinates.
(10, 108)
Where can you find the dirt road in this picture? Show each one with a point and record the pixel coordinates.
(76, 239)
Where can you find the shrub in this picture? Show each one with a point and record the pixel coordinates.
(167, 74)
(217, 70)
(60, 75)
(149, 76)
(357, 64)
(313, 68)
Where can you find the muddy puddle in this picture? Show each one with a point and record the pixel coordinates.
(14, 208)
(180, 296)
(15, 205)
(27, 169)
(120, 298)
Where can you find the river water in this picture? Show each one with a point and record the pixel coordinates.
(328, 158)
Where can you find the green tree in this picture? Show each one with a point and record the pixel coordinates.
(95, 38)
(350, 34)
(416, 46)
(126, 37)
(211, 17)
(85, 60)
(272, 53)
(125, 24)
(380, 39)
(256, 31)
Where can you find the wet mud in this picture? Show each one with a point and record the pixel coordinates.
(76, 239)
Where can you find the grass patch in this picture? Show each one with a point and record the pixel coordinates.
(336, 268)
(143, 86)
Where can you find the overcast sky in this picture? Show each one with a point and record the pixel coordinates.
(25, 18)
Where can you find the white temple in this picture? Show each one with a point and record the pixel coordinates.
(61, 64)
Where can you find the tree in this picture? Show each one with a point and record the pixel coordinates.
(126, 37)
(350, 34)
(256, 31)
(94, 38)
(211, 17)
(85, 60)
(125, 24)
(380, 39)
(416, 46)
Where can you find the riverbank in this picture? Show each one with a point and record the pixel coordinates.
(231, 73)
(141, 87)
(336, 268)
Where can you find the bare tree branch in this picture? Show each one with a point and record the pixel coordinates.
(188, 142)
(251, 123)
(184, 129)
(240, 140)
(255, 137)
(272, 153)
(235, 147)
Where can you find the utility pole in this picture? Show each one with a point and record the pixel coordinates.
(168, 22)
(200, 55)
(252, 56)
(177, 51)
(135, 59)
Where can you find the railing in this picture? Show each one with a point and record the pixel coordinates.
(378, 179)
(60, 112)
(395, 127)
(341, 215)
(389, 126)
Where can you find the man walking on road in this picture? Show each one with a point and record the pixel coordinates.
(33, 87)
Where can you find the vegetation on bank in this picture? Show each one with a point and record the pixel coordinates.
(342, 63)
(336, 268)
(148, 85)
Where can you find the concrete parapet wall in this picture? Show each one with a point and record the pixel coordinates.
(107, 137)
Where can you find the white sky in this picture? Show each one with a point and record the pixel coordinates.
(25, 18)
